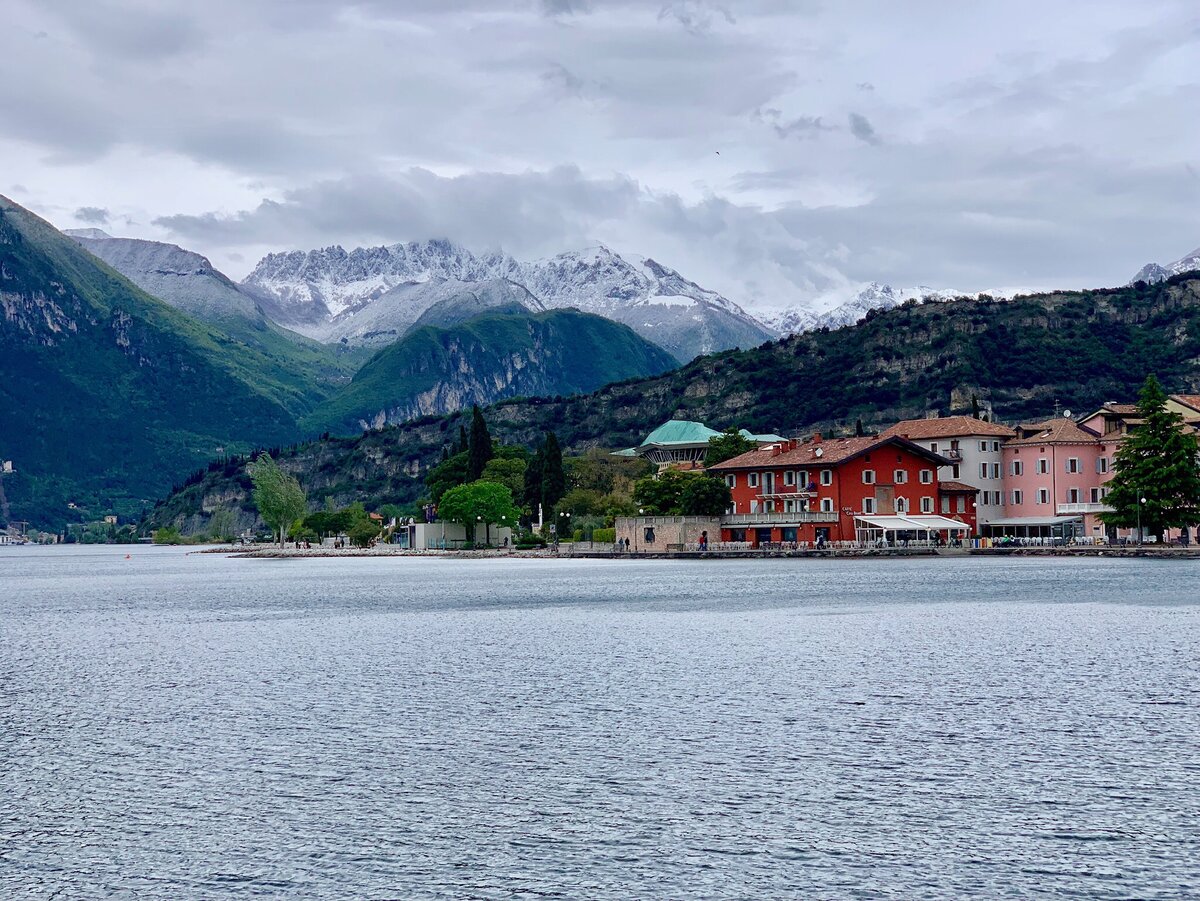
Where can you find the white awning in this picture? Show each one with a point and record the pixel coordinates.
(913, 523)
(1034, 521)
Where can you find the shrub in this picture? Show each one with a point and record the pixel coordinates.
(604, 536)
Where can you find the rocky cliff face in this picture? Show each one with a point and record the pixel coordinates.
(312, 291)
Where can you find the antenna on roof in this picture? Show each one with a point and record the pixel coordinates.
(1066, 414)
(818, 451)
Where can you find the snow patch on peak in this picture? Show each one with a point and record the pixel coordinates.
(94, 234)
(1153, 272)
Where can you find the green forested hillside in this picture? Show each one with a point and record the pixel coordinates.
(1023, 356)
(108, 395)
(484, 359)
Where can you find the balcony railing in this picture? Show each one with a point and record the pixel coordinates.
(1072, 509)
(955, 455)
(766, 519)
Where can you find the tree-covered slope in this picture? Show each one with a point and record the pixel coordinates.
(1024, 355)
(484, 359)
(108, 395)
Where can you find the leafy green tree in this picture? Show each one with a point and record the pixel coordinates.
(222, 525)
(582, 502)
(506, 471)
(675, 493)
(478, 503)
(363, 532)
(479, 447)
(447, 475)
(704, 495)
(166, 535)
(1157, 462)
(278, 496)
(729, 444)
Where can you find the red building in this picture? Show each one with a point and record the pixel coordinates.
(806, 490)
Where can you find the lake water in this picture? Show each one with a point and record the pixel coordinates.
(177, 726)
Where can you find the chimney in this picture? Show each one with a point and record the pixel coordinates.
(931, 414)
(816, 438)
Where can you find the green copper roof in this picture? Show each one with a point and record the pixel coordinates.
(680, 431)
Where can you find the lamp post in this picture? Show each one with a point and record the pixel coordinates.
(478, 519)
(641, 512)
(1141, 500)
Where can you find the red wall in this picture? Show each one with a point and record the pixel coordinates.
(847, 489)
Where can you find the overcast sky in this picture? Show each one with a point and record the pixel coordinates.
(775, 150)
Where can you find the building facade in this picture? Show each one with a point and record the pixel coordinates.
(974, 449)
(815, 489)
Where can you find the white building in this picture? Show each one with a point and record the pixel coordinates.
(974, 447)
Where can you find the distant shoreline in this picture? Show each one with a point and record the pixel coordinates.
(277, 553)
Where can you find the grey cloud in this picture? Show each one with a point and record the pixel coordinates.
(565, 7)
(800, 127)
(563, 81)
(94, 214)
(862, 129)
(696, 16)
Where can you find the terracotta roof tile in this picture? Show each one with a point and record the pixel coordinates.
(1059, 430)
(956, 486)
(833, 451)
(947, 427)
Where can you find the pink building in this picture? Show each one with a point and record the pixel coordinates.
(1054, 477)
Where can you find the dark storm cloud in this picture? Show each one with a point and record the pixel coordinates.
(93, 215)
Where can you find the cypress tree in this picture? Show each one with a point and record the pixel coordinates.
(460, 444)
(1157, 483)
(554, 482)
(479, 447)
(859, 431)
(533, 479)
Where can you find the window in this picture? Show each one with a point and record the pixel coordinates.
(1017, 496)
(933, 446)
(901, 476)
(768, 482)
(754, 506)
(1102, 464)
(826, 505)
(868, 505)
(1095, 495)
(789, 477)
(983, 446)
(827, 477)
(1017, 468)
(1043, 466)
(926, 476)
(752, 479)
(731, 480)
(802, 478)
(983, 470)
(901, 505)
(945, 504)
(1073, 464)
(956, 471)
(1043, 496)
(995, 447)
(1072, 495)
(960, 504)
(868, 477)
(926, 505)
(995, 470)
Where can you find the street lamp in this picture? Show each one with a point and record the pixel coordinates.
(1141, 500)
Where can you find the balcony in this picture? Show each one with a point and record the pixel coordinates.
(778, 519)
(954, 454)
(1076, 509)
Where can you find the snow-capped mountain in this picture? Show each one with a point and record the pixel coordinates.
(1153, 272)
(872, 297)
(185, 280)
(308, 291)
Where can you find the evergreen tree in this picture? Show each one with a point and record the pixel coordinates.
(729, 444)
(975, 405)
(859, 431)
(1157, 482)
(533, 480)
(554, 481)
(460, 445)
(479, 447)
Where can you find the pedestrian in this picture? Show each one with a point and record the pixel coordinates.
(704, 541)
